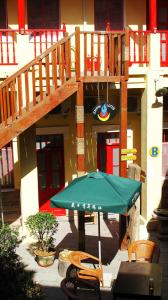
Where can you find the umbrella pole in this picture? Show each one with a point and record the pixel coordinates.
(99, 241)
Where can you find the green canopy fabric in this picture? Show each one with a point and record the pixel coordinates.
(98, 191)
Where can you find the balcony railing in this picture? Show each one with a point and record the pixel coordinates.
(138, 47)
(42, 39)
(163, 48)
(7, 47)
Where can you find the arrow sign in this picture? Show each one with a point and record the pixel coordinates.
(126, 151)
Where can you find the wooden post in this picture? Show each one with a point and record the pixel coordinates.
(152, 15)
(123, 145)
(77, 52)
(80, 149)
(21, 16)
(1, 198)
(134, 172)
(126, 53)
(123, 126)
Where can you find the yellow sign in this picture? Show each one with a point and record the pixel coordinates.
(129, 157)
(126, 151)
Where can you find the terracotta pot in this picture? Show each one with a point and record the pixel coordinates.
(44, 259)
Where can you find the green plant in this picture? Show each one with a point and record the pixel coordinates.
(42, 226)
(15, 281)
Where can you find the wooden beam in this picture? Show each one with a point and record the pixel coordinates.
(91, 79)
(21, 16)
(123, 126)
(123, 164)
(80, 157)
(37, 112)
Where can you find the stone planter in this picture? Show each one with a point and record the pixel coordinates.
(44, 259)
(63, 262)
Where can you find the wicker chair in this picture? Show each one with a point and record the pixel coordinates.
(81, 270)
(143, 251)
(79, 289)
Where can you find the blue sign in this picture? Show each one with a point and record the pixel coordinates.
(104, 112)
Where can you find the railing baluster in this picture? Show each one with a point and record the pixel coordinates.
(54, 68)
(27, 90)
(7, 102)
(34, 85)
(77, 53)
(47, 70)
(99, 54)
(4, 106)
(62, 63)
(12, 98)
(119, 55)
(92, 54)
(1, 106)
(85, 54)
(41, 80)
(105, 54)
(20, 103)
(1, 48)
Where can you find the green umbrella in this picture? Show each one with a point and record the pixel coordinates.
(98, 191)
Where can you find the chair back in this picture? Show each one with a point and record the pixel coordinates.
(143, 250)
(79, 258)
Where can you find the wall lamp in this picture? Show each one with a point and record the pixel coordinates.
(159, 93)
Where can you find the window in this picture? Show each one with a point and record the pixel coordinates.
(43, 14)
(108, 11)
(162, 15)
(3, 15)
(6, 166)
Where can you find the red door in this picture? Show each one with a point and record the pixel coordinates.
(108, 152)
(50, 163)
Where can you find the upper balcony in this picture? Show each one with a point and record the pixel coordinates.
(17, 49)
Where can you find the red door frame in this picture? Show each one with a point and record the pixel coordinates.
(109, 156)
(46, 193)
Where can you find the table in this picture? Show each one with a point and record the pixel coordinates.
(133, 281)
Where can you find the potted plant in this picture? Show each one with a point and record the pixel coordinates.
(42, 226)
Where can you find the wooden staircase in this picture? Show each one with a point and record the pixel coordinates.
(52, 77)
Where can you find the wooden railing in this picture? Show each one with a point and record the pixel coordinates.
(163, 48)
(42, 39)
(64, 61)
(7, 47)
(138, 47)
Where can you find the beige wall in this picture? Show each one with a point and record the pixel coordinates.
(12, 14)
(135, 14)
(58, 121)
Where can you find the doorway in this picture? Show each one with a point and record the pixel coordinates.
(108, 152)
(50, 164)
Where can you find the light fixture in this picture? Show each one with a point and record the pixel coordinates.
(158, 93)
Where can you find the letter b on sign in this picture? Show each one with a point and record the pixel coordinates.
(154, 151)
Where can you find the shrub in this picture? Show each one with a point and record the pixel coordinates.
(42, 226)
(15, 281)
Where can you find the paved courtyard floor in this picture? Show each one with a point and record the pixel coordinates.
(67, 237)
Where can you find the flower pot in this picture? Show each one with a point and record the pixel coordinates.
(44, 259)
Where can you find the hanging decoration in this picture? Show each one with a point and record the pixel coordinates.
(103, 111)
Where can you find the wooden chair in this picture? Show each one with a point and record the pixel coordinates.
(143, 251)
(79, 289)
(80, 269)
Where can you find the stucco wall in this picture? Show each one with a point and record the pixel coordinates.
(135, 14)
